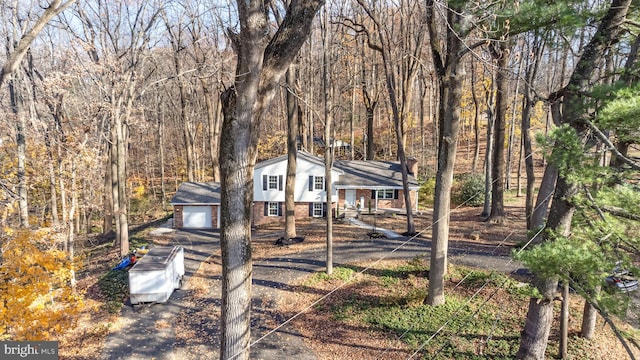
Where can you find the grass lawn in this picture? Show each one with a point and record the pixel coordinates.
(379, 314)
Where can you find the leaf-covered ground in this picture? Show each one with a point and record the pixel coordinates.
(331, 329)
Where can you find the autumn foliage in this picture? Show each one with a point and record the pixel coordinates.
(37, 301)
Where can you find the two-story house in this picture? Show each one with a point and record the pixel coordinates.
(357, 184)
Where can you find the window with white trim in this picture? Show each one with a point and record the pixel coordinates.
(273, 209)
(318, 183)
(386, 194)
(273, 182)
(317, 209)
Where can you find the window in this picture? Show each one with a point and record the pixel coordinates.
(386, 194)
(273, 182)
(318, 209)
(274, 208)
(318, 183)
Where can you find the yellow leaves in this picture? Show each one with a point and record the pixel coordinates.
(36, 299)
(7, 230)
(138, 191)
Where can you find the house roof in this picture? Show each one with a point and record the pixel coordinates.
(197, 193)
(357, 173)
(372, 174)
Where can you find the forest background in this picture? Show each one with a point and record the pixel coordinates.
(114, 104)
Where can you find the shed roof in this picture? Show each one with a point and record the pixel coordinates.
(197, 193)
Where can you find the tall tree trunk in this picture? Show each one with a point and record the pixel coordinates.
(547, 187)
(533, 343)
(564, 321)
(113, 168)
(352, 117)
(326, 85)
(161, 143)
(512, 126)
(53, 196)
(476, 120)
(589, 319)
(121, 175)
(488, 156)
(18, 110)
(527, 143)
(259, 68)
(70, 227)
(187, 126)
(236, 175)
(213, 120)
(448, 69)
(498, 161)
(370, 108)
(292, 158)
(107, 205)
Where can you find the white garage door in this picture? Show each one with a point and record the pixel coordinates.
(196, 217)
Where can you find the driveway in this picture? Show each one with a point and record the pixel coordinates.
(149, 332)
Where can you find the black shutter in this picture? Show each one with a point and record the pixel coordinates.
(264, 182)
(324, 209)
(395, 194)
(266, 208)
(280, 182)
(373, 194)
(325, 184)
(310, 209)
(279, 209)
(310, 182)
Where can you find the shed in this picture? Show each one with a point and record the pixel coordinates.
(156, 275)
(196, 205)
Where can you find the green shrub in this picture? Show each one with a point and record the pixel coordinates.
(115, 287)
(426, 192)
(471, 191)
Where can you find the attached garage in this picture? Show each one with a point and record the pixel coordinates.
(196, 206)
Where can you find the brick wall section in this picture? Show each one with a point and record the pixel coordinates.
(177, 216)
(214, 217)
(301, 211)
(382, 203)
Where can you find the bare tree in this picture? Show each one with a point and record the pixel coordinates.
(262, 61)
(18, 52)
(292, 156)
(330, 143)
(17, 45)
(380, 40)
(500, 52)
(447, 49)
(119, 61)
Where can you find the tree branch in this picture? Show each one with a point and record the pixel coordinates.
(14, 59)
(361, 29)
(621, 213)
(606, 141)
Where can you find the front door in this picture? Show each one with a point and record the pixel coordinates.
(350, 197)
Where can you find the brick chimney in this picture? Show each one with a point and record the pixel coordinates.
(412, 166)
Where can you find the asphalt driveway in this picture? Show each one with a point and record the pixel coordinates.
(148, 332)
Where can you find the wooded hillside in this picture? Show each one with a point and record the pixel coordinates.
(107, 106)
